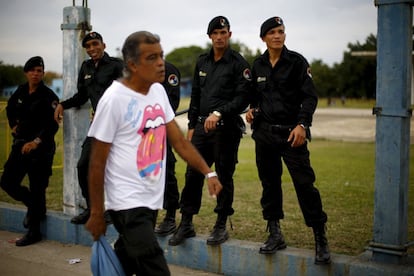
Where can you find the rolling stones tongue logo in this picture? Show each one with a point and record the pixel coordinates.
(151, 149)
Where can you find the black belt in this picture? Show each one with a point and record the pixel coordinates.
(17, 141)
(276, 128)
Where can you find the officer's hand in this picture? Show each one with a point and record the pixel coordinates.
(28, 147)
(250, 115)
(190, 133)
(211, 122)
(96, 226)
(214, 186)
(14, 130)
(297, 136)
(58, 113)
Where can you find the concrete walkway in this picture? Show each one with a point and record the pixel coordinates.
(64, 241)
(51, 258)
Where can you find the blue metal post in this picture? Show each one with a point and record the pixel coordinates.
(76, 122)
(394, 69)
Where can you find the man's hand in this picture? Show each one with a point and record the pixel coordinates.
(96, 226)
(211, 122)
(28, 147)
(58, 113)
(297, 136)
(190, 133)
(214, 186)
(250, 115)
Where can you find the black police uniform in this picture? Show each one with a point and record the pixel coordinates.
(92, 83)
(217, 86)
(285, 97)
(33, 116)
(172, 86)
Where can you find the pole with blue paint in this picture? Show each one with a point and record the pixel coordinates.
(394, 72)
(76, 121)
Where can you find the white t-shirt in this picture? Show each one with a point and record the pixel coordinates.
(135, 126)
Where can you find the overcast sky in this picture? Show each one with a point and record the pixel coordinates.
(319, 29)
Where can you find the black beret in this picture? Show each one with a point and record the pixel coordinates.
(218, 22)
(90, 36)
(33, 62)
(269, 24)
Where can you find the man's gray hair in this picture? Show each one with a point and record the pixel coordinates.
(131, 50)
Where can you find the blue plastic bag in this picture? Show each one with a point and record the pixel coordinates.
(104, 261)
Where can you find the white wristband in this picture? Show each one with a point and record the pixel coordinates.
(211, 174)
(37, 141)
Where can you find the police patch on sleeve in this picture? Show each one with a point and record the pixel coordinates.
(54, 104)
(247, 74)
(309, 72)
(173, 80)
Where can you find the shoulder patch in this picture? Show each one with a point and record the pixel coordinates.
(247, 74)
(308, 71)
(54, 104)
(173, 80)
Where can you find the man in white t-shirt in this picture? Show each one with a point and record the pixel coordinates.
(128, 159)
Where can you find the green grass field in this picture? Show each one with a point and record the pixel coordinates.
(345, 179)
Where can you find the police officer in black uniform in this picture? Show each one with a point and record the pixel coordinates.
(283, 103)
(171, 194)
(30, 114)
(219, 94)
(95, 76)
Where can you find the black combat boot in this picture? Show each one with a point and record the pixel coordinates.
(322, 254)
(33, 235)
(82, 218)
(219, 233)
(275, 241)
(167, 226)
(185, 230)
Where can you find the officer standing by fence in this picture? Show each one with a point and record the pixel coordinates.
(30, 114)
(95, 76)
(171, 193)
(283, 102)
(219, 94)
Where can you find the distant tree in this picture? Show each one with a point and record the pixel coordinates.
(50, 76)
(357, 74)
(10, 75)
(245, 51)
(324, 79)
(184, 59)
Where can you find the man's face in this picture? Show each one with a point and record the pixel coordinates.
(275, 38)
(151, 67)
(35, 75)
(220, 38)
(95, 49)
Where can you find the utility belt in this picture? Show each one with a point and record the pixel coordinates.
(275, 128)
(18, 141)
(282, 129)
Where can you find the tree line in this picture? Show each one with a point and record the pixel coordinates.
(353, 77)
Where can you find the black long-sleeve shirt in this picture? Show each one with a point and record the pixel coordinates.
(221, 85)
(33, 114)
(285, 93)
(94, 80)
